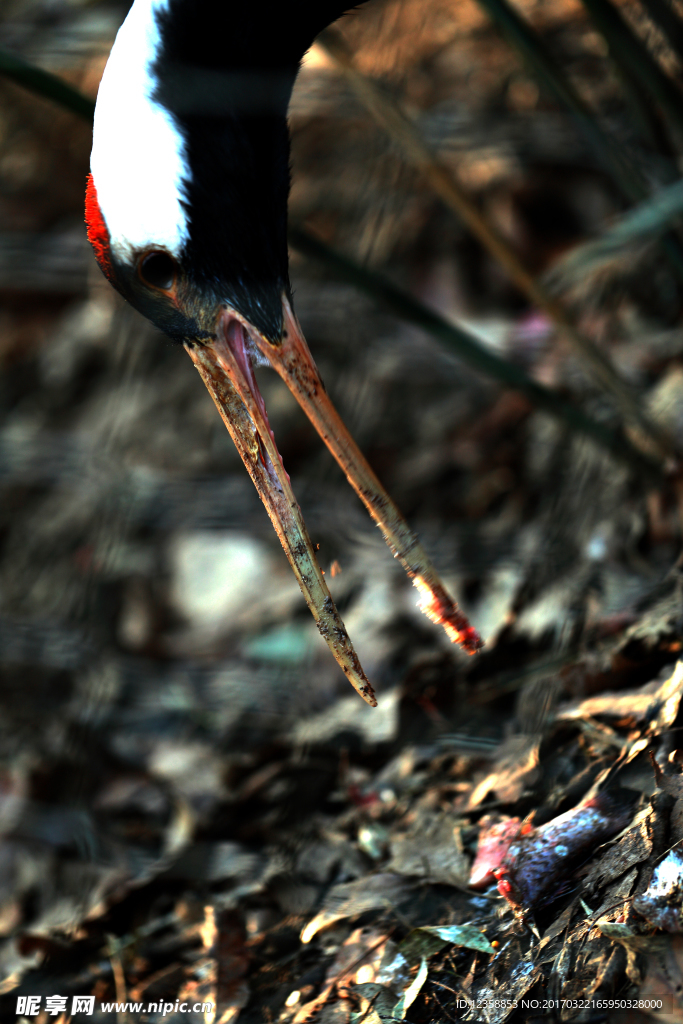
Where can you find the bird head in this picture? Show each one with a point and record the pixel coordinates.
(186, 210)
(187, 200)
(186, 213)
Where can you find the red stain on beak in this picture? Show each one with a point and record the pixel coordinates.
(98, 234)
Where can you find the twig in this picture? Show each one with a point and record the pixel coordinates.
(445, 183)
(308, 1008)
(438, 1001)
(114, 953)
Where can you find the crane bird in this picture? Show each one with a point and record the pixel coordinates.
(186, 210)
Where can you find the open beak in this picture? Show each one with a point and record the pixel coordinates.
(225, 366)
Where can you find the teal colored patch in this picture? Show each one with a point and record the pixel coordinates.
(286, 645)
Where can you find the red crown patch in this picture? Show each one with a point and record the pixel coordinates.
(98, 235)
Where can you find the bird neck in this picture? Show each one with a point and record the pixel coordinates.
(225, 72)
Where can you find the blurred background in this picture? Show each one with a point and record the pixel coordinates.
(155, 651)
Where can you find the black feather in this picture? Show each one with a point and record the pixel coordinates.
(226, 72)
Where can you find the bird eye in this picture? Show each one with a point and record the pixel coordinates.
(158, 269)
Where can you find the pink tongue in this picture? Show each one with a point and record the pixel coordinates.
(237, 339)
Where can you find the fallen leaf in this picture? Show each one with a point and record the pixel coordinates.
(412, 992)
(664, 976)
(461, 935)
(432, 850)
(657, 705)
(515, 769)
(375, 892)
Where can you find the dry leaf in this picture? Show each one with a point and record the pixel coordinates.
(433, 850)
(375, 892)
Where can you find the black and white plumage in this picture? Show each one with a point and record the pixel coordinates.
(191, 147)
(186, 208)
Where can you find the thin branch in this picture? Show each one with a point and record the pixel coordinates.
(450, 190)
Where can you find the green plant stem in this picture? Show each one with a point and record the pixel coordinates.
(545, 68)
(43, 83)
(470, 350)
(447, 185)
(607, 151)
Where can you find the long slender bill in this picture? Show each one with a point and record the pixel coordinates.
(294, 362)
(225, 367)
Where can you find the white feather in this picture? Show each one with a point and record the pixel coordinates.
(138, 159)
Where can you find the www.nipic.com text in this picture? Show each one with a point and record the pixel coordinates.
(30, 1006)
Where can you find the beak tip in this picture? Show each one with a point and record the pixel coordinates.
(440, 608)
(359, 680)
(470, 641)
(227, 373)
